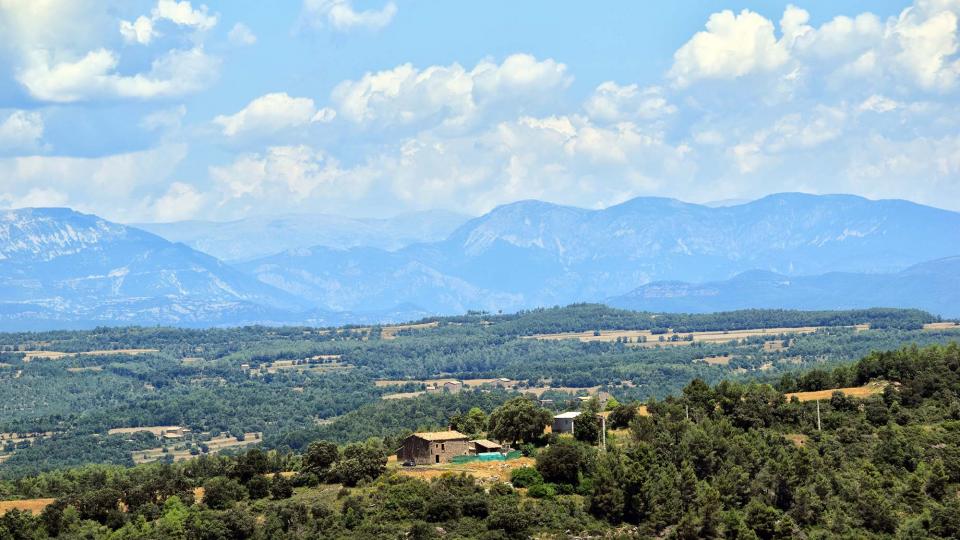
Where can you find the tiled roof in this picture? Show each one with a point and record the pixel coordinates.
(486, 443)
(440, 435)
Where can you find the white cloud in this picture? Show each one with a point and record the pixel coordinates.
(612, 102)
(35, 198)
(447, 95)
(271, 113)
(164, 119)
(138, 31)
(241, 34)
(732, 46)
(341, 15)
(95, 76)
(878, 103)
(919, 47)
(181, 201)
(183, 14)
(21, 131)
(283, 175)
(143, 29)
(113, 186)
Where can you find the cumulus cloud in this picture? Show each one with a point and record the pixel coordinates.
(61, 51)
(181, 201)
(271, 113)
(282, 174)
(733, 45)
(917, 47)
(95, 76)
(341, 15)
(241, 34)
(20, 131)
(612, 102)
(447, 95)
(113, 186)
(142, 30)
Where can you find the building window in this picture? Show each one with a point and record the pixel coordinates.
(443, 448)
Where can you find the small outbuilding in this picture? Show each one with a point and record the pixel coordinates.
(481, 446)
(563, 422)
(433, 447)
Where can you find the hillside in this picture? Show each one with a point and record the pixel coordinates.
(933, 286)
(731, 460)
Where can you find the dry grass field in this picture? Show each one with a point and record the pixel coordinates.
(181, 453)
(636, 337)
(866, 390)
(157, 431)
(56, 355)
(486, 471)
(470, 383)
(283, 365)
(942, 326)
(390, 332)
(717, 360)
(34, 506)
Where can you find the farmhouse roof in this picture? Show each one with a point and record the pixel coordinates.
(440, 435)
(571, 414)
(486, 443)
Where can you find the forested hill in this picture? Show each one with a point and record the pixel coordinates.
(731, 460)
(586, 317)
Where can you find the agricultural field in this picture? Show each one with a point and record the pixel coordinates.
(866, 390)
(646, 338)
(193, 449)
(34, 506)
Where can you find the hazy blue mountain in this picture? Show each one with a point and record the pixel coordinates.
(532, 253)
(933, 286)
(63, 268)
(261, 236)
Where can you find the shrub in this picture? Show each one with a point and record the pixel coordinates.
(542, 491)
(525, 477)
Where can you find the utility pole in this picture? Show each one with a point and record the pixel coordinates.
(818, 415)
(603, 432)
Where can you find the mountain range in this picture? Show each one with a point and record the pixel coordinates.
(61, 268)
(934, 286)
(260, 236)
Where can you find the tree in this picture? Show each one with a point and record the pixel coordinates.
(473, 423)
(564, 461)
(220, 492)
(361, 461)
(519, 419)
(258, 487)
(621, 416)
(280, 487)
(320, 455)
(587, 425)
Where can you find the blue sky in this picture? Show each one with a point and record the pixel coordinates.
(165, 110)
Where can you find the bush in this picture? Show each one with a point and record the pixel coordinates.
(220, 492)
(542, 491)
(525, 477)
(563, 462)
(258, 487)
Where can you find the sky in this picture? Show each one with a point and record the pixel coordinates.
(164, 110)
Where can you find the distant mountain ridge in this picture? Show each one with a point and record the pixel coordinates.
(62, 268)
(262, 236)
(932, 286)
(533, 253)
